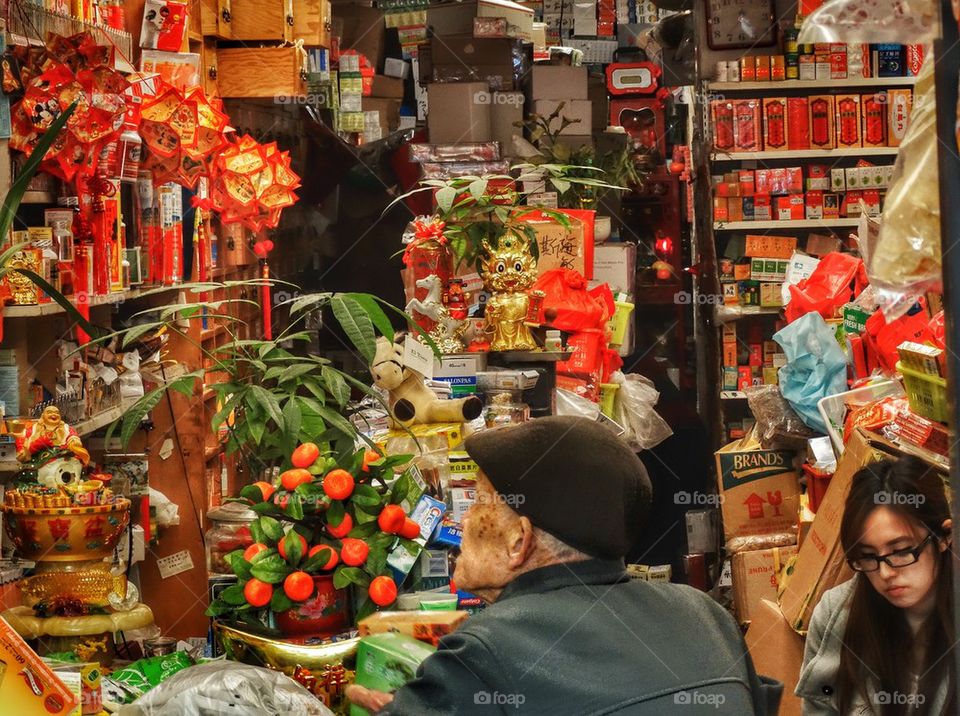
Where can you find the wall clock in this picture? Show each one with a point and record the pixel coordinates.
(736, 24)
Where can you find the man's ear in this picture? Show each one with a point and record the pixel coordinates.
(521, 542)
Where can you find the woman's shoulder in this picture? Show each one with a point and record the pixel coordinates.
(834, 600)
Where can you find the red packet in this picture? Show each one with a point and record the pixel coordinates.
(164, 25)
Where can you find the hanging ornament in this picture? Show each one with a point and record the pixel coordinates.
(252, 183)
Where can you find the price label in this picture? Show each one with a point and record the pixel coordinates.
(418, 357)
(174, 564)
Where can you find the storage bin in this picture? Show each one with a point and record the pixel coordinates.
(927, 394)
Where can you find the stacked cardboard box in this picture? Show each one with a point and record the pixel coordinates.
(551, 85)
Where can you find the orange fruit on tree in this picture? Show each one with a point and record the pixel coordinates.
(368, 457)
(293, 478)
(354, 552)
(281, 501)
(383, 591)
(305, 455)
(283, 550)
(343, 529)
(266, 489)
(253, 550)
(338, 484)
(410, 529)
(298, 586)
(257, 593)
(391, 519)
(334, 557)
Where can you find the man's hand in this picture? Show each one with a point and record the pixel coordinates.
(368, 699)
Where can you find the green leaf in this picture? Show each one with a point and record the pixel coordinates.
(376, 561)
(445, 198)
(345, 576)
(270, 404)
(336, 420)
(271, 570)
(365, 496)
(293, 547)
(400, 490)
(265, 508)
(256, 429)
(280, 602)
(356, 324)
(335, 513)
(478, 188)
(372, 306)
(252, 493)
(561, 185)
(256, 531)
(336, 385)
(132, 334)
(271, 528)
(241, 568)
(294, 508)
(295, 371)
(366, 609)
(292, 418)
(364, 515)
(363, 531)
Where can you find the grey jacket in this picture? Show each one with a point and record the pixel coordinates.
(821, 659)
(582, 638)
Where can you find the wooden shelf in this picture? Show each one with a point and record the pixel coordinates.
(813, 84)
(806, 154)
(794, 224)
(49, 309)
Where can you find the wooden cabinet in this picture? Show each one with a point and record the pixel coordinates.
(260, 72)
(273, 20)
(311, 22)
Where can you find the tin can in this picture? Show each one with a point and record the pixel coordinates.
(733, 71)
(723, 74)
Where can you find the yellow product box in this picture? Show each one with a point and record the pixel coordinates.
(28, 687)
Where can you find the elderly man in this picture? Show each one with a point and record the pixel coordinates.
(559, 503)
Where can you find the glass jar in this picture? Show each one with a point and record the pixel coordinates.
(230, 531)
(63, 240)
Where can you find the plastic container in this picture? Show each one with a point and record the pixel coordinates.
(833, 408)
(620, 322)
(817, 483)
(927, 394)
(230, 531)
(608, 394)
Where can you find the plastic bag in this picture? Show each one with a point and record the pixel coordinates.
(938, 330)
(777, 423)
(634, 410)
(882, 337)
(816, 367)
(575, 308)
(227, 687)
(872, 21)
(838, 279)
(907, 250)
(569, 403)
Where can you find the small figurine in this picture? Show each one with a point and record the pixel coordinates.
(508, 271)
(447, 331)
(431, 306)
(411, 401)
(49, 431)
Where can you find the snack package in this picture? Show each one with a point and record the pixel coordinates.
(778, 425)
(872, 21)
(164, 25)
(132, 681)
(874, 416)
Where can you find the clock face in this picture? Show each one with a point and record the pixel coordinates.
(740, 23)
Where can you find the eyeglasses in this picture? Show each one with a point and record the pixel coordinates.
(899, 558)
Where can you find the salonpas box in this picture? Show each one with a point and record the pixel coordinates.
(759, 495)
(388, 661)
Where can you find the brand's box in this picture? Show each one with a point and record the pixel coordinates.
(755, 576)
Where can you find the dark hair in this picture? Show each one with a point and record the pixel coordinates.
(878, 644)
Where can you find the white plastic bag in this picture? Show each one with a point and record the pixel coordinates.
(634, 410)
(227, 687)
(873, 21)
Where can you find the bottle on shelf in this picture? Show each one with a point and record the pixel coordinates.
(63, 241)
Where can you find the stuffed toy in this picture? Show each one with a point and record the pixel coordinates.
(411, 401)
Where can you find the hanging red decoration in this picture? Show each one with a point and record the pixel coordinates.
(252, 183)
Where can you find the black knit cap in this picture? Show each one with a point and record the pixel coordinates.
(572, 477)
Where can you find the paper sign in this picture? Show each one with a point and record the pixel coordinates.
(799, 268)
(726, 575)
(418, 357)
(560, 246)
(174, 564)
(772, 247)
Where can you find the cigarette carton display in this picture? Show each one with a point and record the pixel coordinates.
(747, 130)
(798, 123)
(775, 123)
(848, 121)
(822, 134)
(873, 107)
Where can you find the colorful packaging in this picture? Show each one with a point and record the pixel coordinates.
(899, 105)
(798, 123)
(775, 122)
(164, 25)
(818, 177)
(424, 625)
(723, 135)
(822, 118)
(831, 206)
(848, 120)
(874, 110)
(814, 205)
(747, 131)
(914, 59)
(386, 662)
(779, 247)
(763, 68)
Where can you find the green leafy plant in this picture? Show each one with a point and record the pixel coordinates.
(297, 531)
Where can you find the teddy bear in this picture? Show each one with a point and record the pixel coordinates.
(411, 401)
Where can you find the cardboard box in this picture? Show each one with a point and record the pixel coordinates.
(729, 354)
(558, 82)
(822, 118)
(729, 377)
(426, 625)
(459, 112)
(720, 209)
(831, 206)
(761, 494)
(762, 207)
(899, 106)
(506, 109)
(790, 208)
(465, 58)
(873, 109)
(756, 574)
(721, 113)
(578, 110)
(775, 122)
(818, 177)
(519, 17)
(564, 246)
(820, 563)
(777, 652)
(849, 122)
(838, 179)
(853, 178)
(814, 205)
(778, 247)
(747, 125)
(615, 265)
(798, 123)
(386, 662)
(387, 109)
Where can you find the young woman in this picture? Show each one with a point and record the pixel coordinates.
(882, 643)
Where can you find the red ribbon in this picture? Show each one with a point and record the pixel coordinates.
(423, 231)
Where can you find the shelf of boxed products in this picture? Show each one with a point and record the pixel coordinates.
(812, 84)
(84, 427)
(51, 308)
(785, 224)
(806, 154)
